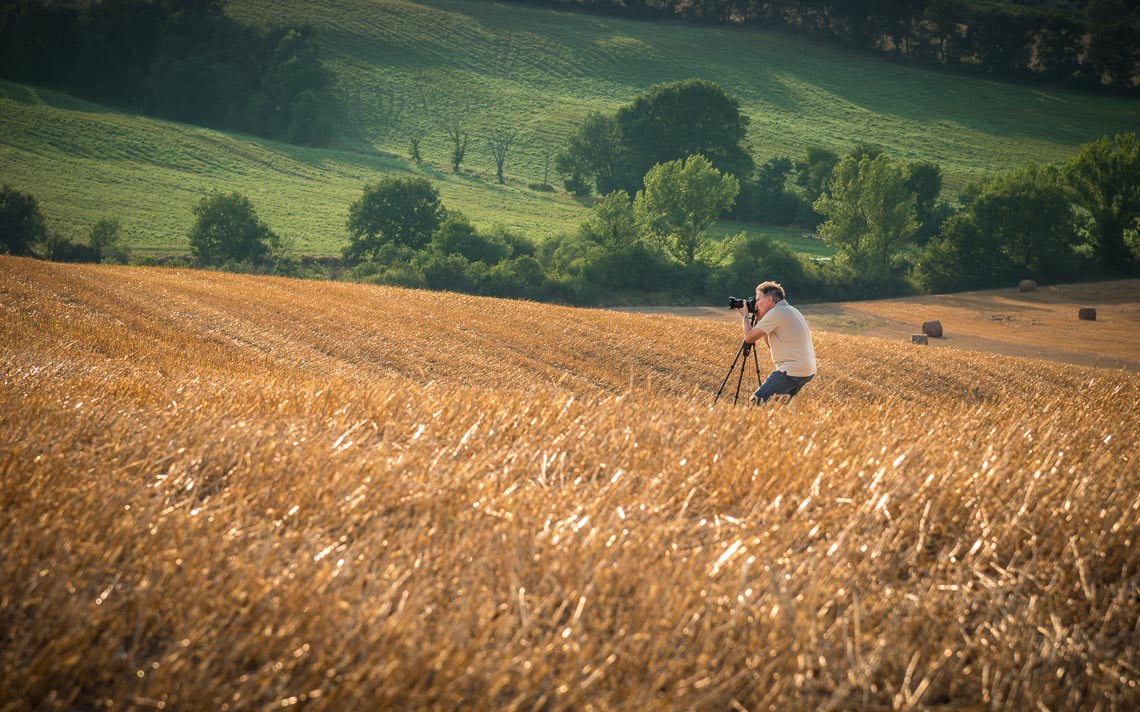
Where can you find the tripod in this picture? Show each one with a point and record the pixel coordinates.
(745, 349)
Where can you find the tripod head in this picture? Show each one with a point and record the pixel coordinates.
(745, 347)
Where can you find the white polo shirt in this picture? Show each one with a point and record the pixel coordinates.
(789, 339)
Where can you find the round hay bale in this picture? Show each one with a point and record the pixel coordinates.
(919, 339)
(932, 328)
(1026, 285)
(1087, 314)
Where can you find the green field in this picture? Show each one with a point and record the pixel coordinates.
(408, 68)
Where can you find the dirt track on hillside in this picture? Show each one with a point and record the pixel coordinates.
(1040, 324)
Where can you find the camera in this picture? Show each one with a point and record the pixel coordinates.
(736, 303)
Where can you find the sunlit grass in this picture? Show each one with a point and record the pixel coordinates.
(409, 68)
(222, 491)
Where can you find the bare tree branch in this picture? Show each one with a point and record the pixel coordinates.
(499, 141)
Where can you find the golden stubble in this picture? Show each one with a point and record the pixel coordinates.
(230, 492)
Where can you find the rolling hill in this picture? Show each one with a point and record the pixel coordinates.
(407, 68)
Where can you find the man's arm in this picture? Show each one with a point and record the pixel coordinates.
(752, 334)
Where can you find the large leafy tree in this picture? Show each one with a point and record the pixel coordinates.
(1027, 215)
(1106, 177)
(767, 198)
(924, 179)
(400, 212)
(959, 257)
(1013, 225)
(814, 172)
(106, 241)
(1114, 42)
(22, 223)
(292, 99)
(457, 236)
(227, 229)
(612, 223)
(870, 213)
(945, 17)
(595, 150)
(681, 200)
(673, 121)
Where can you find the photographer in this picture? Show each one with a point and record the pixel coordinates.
(784, 330)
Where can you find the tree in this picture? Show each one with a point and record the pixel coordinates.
(924, 179)
(814, 173)
(458, 138)
(767, 198)
(457, 236)
(1027, 214)
(612, 223)
(1106, 177)
(22, 225)
(998, 40)
(673, 121)
(499, 142)
(895, 18)
(1059, 48)
(294, 90)
(681, 200)
(227, 229)
(105, 241)
(401, 212)
(1114, 42)
(945, 16)
(959, 257)
(870, 214)
(1014, 225)
(595, 150)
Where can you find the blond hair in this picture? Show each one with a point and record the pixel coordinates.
(771, 289)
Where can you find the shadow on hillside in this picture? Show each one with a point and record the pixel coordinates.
(37, 96)
(921, 95)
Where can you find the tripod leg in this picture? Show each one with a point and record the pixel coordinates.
(747, 348)
(740, 379)
(756, 362)
(730, 370)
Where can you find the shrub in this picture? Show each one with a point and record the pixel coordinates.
(22, 224)
(227, 229)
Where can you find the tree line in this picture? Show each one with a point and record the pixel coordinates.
(1095, 44)
(612, 152)
(1053, 223)
(177, 59)
(646, 238)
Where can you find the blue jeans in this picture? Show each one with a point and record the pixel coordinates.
(780, 383)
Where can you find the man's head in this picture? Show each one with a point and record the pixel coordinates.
(768, 295)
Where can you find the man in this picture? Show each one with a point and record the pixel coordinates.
(783, 328)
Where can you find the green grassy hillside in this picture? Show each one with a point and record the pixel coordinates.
(82, 161)
(408, 68)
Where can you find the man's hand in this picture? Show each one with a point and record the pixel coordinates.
(752, 334)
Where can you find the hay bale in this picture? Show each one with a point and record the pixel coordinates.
(932, 328)
(1026, 285)
(919, 339)
(1087, 314)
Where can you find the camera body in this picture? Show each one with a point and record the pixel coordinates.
(736, 303)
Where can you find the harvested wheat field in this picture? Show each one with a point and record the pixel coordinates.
(229, 492)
